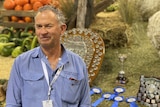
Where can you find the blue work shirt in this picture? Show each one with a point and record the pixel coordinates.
(27, 86)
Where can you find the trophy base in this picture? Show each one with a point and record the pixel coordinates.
(121, 81)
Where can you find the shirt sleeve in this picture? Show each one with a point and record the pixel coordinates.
(13, 95)
(85, 96)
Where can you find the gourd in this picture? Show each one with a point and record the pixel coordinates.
(36, 5)
(9, 4)
(21, 2)
(44, 2)
(26, 5)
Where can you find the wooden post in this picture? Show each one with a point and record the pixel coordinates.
(81, 13)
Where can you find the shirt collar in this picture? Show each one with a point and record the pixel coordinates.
(39, 54)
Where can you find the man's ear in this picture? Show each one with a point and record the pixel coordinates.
(63, 28)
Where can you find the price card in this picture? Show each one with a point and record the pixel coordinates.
(47, 103)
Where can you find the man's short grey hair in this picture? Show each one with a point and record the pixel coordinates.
(60, 16)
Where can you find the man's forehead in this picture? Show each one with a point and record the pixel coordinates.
(47, 24)
(45, 12)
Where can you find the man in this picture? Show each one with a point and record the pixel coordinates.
(48, 75)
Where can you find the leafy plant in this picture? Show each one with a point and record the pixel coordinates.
(67, 6)
(128, 11)
(112, 7)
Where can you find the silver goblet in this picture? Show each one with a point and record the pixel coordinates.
(122, 58)
(121, 75)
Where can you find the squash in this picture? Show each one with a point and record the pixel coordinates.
(27, 7)
(33, 1)
(21, 21)
(18, 7)
(36, 5)
(27, 19)
(14, 18)
(44, 2)
(9, 4)
(21, 2)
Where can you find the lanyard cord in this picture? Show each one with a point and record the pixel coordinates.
(47, 78)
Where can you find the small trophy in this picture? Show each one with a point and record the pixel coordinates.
(121, 79)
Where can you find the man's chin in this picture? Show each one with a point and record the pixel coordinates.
(45, 45)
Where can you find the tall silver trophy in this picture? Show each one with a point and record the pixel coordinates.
(121, 78)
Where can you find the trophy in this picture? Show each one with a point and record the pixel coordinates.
(121, 79)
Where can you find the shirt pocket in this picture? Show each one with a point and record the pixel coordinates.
(33, 85)
(71, 91)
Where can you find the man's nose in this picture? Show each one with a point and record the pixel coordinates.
(43, 30)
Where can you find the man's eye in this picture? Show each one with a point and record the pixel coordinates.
(38, 26)
(45, 26)
(48, 26)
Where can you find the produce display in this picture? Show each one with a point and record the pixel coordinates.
(14, 42)
(26, 5)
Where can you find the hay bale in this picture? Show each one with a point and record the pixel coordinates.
(111, 28)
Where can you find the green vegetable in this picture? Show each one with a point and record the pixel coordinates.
(4, 39)
(17, 33)
(7, 32)
(17, 51)
(20, 36)
(4, 35)
(26, 32)
(6, 48)
(17, 41)
(26, 45)
(34, 42)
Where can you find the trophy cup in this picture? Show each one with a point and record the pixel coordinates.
(121, 79)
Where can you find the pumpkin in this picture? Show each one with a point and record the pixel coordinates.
(36, 5)
(44, 2)
(9, 4)
(21, 21)
(27, 19)
(21, 2)
(18, 7)
(27, 7)
(14, 18)
(33, 1)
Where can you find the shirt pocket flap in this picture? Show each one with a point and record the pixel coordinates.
(32, 76)
(72, 75)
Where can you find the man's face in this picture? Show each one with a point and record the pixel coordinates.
(48, 29)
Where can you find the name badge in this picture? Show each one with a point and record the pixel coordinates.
(47, 103)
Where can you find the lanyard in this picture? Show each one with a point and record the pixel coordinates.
(47, 78)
